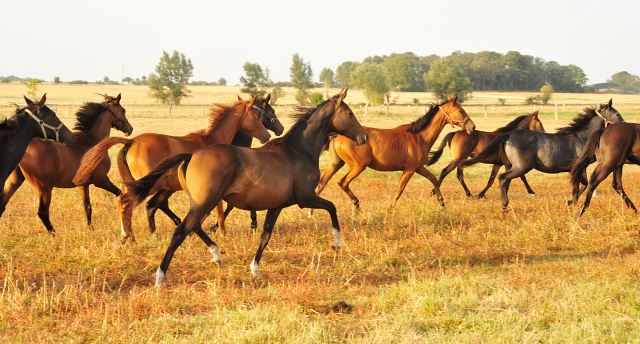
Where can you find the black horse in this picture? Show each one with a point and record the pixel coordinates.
(34, 120)
(161, 199)
(524, 150)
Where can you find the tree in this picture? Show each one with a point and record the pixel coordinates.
(56, 79)
(256, 81)
(127, 80)
(373, 79)
(405, 71)
(222, 82)
(343, 73)
(443, 78)
(327, 78)
(301, 75)
(626, 79)
(168, 83)
(547, 91)
(32, 86)
(316, 98)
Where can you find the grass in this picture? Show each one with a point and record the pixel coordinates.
(417, 273)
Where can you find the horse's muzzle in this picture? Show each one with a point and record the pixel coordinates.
(362, 139)
(264, 138)
(470, 127)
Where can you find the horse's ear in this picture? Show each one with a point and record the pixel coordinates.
(535, 113)
(253, 100)
(343, 95)
(454, 99)
(448, 96)
(118, 98)
(268, 98)
(29, 101)
(239, 99)
(42, 101)
(610, 102)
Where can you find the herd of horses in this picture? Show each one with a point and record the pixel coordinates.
(218, 163)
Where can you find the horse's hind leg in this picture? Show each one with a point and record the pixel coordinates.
(617, 185)
(526, 185)
(84, 192)
(505, 179)
(11, 185)
(436, 185)
(460, 175)
(492, 178)
(267, 229)
(353, 172)
(254, 220)
(599, 174)
(576, 192)
(43, 208)
(160, 200)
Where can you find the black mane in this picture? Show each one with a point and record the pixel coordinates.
(511, 126)
(301, 115)
(579, 122)
(419, 124)
(87, 116)
(11, 125)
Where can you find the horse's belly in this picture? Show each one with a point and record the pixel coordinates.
(257, 200)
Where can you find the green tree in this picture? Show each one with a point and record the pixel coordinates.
(301, 75)
(256, 80)
(405, 70)
(626, 79)
(316, 98)
(32, 86)
(168, 83)
(327, 78)
(373, 80)
(276, 93)
(222, 82)
(127, 80)
(56, 79)
(547, 91)
(443, 78)
(343, 73)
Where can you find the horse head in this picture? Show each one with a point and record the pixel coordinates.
(251, 121)
(344, 122)
(119, 121)
(608, 113)
(455, 114)
(534, 123)
(50, 125)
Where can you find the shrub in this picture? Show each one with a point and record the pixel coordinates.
(530, 100)
(416, 101)
(79, 82)
(316, 98)
(502, 101)
(377, 99)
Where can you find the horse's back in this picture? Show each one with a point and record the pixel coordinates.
(148, 150)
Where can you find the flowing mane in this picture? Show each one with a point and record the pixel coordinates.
(579, 121)
(87, 116)
(301, 115)
(511, 126)
(11, 125)
(215, 114)
(419, 124)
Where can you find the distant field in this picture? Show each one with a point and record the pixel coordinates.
(418, 273)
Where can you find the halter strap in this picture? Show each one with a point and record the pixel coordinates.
(451, 120)
(606, 121)
(262, 113)
(44, 125)
(106, 106)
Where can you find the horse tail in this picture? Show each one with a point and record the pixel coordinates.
(94, 156)
(435, 155)
(587, 157)
(138, 190)
(493, 151)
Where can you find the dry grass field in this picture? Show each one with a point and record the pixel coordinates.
(417, 273)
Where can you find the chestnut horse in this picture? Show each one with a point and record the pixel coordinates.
(48, 164)
(142, 154)
(405, 148)
(282, 173)
(34, 120)
(464, 145)
(611, 147)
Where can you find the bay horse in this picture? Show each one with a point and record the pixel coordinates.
(524, 150)
(34, 120)
(464, 145)
(143, 153)
(48, 164)
(242, 139)
(282, 173)
(611, 147)
(404, 148)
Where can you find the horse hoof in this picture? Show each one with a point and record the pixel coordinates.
(336, 249)
(432, 192)
(480, 196)
(533, 195)
(218, 262)
(254, 226)
(213, 228)
(568, 202)
(254, 269)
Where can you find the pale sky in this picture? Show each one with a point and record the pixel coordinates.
(88, 40)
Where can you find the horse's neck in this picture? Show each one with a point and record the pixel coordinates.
(430, 134)
(225, 129)
(584, 133)
(15, 145)
(101, 128)
(523, 125)
(314, 134)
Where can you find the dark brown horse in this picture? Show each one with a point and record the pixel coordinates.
(405, 148)
(464, 145)
(282, 173)
(142, 154)
(34, 120)
(611, 147)
(48, 164)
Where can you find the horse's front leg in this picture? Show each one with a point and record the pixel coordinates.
(436, 185)
(267, 229)
(317, 202)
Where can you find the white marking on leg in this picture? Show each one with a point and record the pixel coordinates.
(215, 250)
(254, 268)
(310, 212)
(336, 240)
(159, 277)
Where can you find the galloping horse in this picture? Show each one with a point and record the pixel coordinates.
(48, 164)
(524, 150)
(141, 154)
(34, 120)
(464, 145)
(280, 174)
(612, 147)
(405, 148)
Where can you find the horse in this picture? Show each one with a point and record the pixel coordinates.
(34, 120)
(404, 148)
(143, 153)
(48, 164)
(524, 150)
(464, 145)
(282, 173)
(242, 139)
(611, 147)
